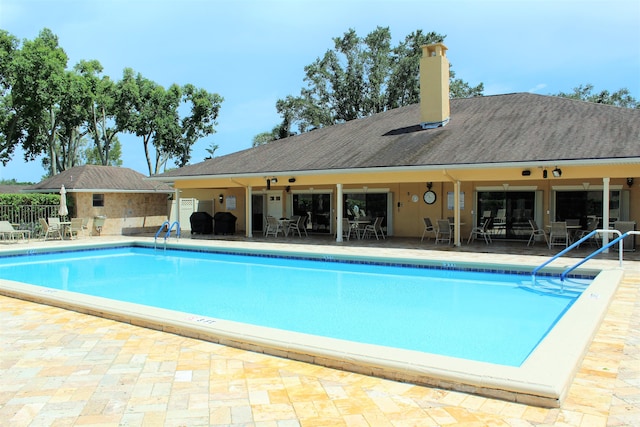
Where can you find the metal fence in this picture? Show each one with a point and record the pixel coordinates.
(26, 217)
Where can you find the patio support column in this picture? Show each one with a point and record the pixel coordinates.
(605, 211)
(248, 209)
(456, 213)
(339, 207)
(176, 209)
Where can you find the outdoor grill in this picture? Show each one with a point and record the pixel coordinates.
(201, 223)
(224, 223)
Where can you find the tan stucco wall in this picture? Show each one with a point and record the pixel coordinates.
(403, 184)
(126, 213)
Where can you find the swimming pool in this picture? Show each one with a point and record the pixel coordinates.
(474, 315)
(346, 352)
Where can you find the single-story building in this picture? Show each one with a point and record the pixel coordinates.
(514, 157)
(128, 202)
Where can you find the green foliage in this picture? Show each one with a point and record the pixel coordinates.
(264, 138)
(13, 181)
(92, 155)
(357, 78)
(153, 113)
(29, 199)
(48, 110)
(620, 98)
(212, 150)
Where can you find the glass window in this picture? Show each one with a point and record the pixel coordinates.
(316, 209)
(370, 205)
(580, 204)
(98, 200)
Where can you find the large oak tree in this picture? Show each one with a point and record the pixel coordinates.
(359, 77)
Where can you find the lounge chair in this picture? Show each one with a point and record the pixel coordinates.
(49, 229)
(500, 221)
(428, 228)
(535, 232)
(8, 232)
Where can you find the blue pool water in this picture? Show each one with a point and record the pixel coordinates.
(480, 316)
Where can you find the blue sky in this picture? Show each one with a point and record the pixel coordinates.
(253, 52)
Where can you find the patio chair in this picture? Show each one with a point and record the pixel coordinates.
(49, 229)
(443, 233)
(592, 224)
(273, 226)
(74, 228)
(559, 235)
(295, 225)
(348, 229)
(85, 226)
(481, 231)
(499, 223)
(374, 229)
(428, 228)
(7, 231)
(535, 232)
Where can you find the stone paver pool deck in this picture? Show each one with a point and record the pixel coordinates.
(62, 368)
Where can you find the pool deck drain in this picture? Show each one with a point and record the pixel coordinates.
(64, 368)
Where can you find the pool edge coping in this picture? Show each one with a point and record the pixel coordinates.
(543, 379)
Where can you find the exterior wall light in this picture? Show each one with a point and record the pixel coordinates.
(629, 182)
(221, 198)
(557, 172)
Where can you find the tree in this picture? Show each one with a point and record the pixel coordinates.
(357, 78)
(91, 155)
(8, 120)
(199, 123)
(151, 112)
(101, 123)
(212, 151)
(620, 98)
(37, 84)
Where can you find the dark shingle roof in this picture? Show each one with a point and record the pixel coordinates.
(96, 178)
(519, 127)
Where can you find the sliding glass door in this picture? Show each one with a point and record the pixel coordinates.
(509, 211)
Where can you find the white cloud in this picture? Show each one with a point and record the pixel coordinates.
(537, 88)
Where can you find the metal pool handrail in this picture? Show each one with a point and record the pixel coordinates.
(578, 243)
(168, 234)
(177, 224)
(613, 242)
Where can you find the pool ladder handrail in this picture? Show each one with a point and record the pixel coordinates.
(564, 274)
(167, 234)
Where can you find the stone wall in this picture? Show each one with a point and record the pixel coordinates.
(126, 213)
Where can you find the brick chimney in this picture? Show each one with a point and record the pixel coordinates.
(434, 86)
